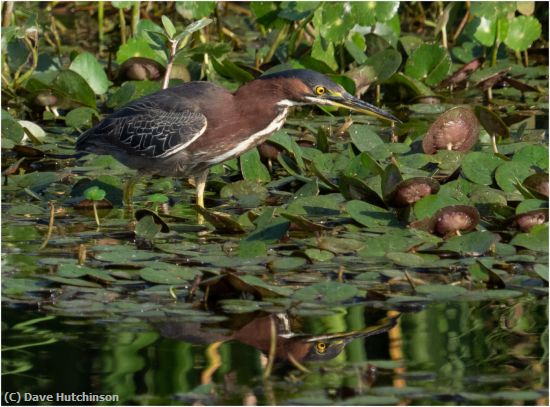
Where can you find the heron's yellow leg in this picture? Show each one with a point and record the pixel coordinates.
(200, 184)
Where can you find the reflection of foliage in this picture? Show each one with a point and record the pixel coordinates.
(317, 230)
(25, 337)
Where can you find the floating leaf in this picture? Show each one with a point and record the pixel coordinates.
(371, 400)
(169, 275)
(489, 295)
(266, 290)
(369, 215)
(327, 292)
(286, 263)
(147, 227)
(33, 131)
(303, 224)
(80, 118)
(223, 222)
(536, 239)
(319, 255)
(364, 137)
(440, 291)
(542, 271)
(252, 249)
(77, 282)
(338, 245)
(533, 155)
(252, 167)
(247, 192)
(11, 130)
(479, 167)
(472, 244)
(510, 172)
(322, 205)
(406, 259)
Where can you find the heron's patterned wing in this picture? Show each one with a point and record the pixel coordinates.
(145, 130)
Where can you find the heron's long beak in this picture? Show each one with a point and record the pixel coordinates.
(350, 102)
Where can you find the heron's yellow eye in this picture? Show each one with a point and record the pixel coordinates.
(321, 347)
(320, 90)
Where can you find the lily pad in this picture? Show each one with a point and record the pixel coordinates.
(252, 167)
(509, 173)
(369, 215)
(479, 167)
(536, 239)
(440, 291)
(471, 244)
(329, 292)
(339, 245)
(223, 222)
(171, 275)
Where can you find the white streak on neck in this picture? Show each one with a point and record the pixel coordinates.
(289, 103)
(253, 139)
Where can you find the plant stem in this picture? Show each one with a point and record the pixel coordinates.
(494, 142)
(50, 226)
(100, 19)
(122, 22)
(444, 36)
(94, 205)
(489, 94)
(56, 36)
(135, 17)
(34, 54)
(81, 254)
(518, 57)
(297, 33)
(7, 13)
(272, 348)
(219, 24)
(173, 49)
(278, 40)
(342, 58)
(462, 22)
(233, 36)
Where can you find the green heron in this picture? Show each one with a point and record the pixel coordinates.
(184, 130)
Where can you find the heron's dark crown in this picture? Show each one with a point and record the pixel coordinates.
(311, 79)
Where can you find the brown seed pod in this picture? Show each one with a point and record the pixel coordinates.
(45, 98)
(140, 69)
(526, 221)
(454, 218)
(411, 190)
(537, 183)
(456, 129)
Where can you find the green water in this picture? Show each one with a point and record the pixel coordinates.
(446, 353)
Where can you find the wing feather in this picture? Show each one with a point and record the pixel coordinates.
(144, 129)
